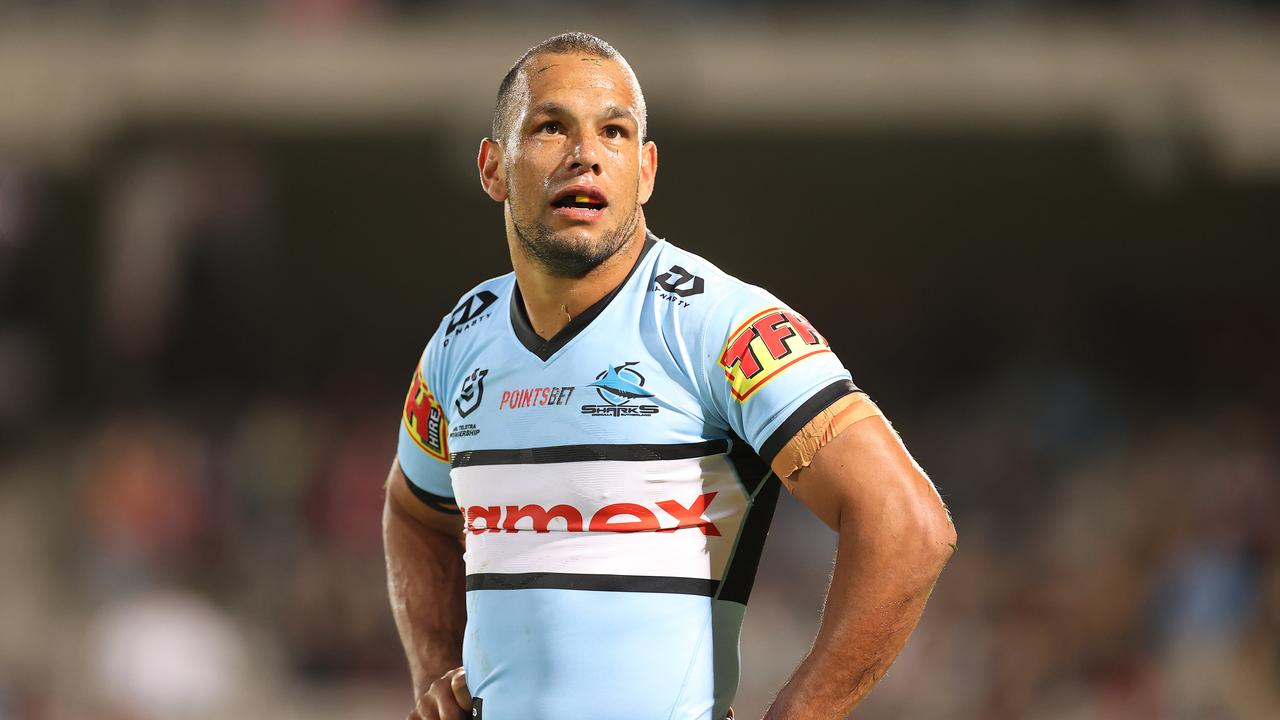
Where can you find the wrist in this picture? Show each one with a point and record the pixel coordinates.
(432, 670)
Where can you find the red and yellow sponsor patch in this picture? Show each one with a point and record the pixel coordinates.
(769, 342)
(424, 419)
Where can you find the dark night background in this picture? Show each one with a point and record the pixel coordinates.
(207, 327)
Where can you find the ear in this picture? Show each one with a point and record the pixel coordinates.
(648, 170)
(493, 177)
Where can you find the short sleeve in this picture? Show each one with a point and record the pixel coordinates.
(424, 431)
(766, 370)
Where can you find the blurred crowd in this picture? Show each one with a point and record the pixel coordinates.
(1134, 573)
(165, 562)
(178, 543)
(328, 15)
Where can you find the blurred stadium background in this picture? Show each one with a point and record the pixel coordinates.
(1042, 235)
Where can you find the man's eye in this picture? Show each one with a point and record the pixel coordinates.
(612, 133)
(551, 128)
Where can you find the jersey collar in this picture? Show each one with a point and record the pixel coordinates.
(544, 349)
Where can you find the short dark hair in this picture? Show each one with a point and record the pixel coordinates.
(570, 43)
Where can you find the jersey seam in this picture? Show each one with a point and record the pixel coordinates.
(707, 629)
(751, 500)
(702, 364)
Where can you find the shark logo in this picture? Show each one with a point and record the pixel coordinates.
(618, 386)
(614, 389)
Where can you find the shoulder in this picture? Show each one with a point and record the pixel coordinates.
(700, 297)
(471, 320)
(462, 331)
(688, 280)
(727, 328)
(475, 310)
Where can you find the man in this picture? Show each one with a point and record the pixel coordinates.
(604, 431)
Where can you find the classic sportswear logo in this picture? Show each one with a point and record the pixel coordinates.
(615, 517)
(769, 342)
(471, 311)
(678, 283)
(618, 386)
(424, 419)
(472, 392)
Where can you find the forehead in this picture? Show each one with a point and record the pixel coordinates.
(571, 79)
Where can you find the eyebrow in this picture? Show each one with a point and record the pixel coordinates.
(613, 112)
(548, 108)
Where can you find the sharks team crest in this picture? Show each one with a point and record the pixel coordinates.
(618, 386)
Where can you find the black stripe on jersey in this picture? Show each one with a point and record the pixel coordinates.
(758, 480)
(439, 503)
(544, 349)
(580, 581)
(816, 403)
(586, 453)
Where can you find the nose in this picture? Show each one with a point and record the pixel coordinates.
(585, 155)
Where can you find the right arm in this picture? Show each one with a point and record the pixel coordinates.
(426, 583)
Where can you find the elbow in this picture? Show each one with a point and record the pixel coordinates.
(926, 535)
(937, 535)
(945, 535)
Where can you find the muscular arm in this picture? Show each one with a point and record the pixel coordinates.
(425, 579)
(894, 537)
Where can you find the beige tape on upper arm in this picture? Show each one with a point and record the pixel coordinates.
(805, 444)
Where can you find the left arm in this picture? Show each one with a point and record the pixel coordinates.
(895, 535)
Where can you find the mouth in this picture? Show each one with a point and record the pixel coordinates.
(579, 203)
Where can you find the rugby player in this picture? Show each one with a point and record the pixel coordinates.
(593, 444)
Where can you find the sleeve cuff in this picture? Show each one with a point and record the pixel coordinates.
(439, 503)
(802, 415)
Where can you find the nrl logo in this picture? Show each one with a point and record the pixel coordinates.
(472, 392)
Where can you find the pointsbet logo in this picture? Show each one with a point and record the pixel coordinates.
(766, 344)
(424, 419)
(535, 397)
(615, 517)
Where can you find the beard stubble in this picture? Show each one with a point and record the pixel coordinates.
(559, 255)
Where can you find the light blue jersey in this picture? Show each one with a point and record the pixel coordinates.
(614, 482)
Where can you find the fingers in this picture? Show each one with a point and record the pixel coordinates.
(461, 693)
(446, 699)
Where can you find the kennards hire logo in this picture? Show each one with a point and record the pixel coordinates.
(618, 386)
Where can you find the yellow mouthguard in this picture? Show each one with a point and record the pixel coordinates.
(581, 198)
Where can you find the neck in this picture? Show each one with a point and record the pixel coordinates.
(551, 301)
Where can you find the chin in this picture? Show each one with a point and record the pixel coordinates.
(579, 234)
(572, 251)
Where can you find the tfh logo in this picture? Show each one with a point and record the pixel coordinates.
(765, 345)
